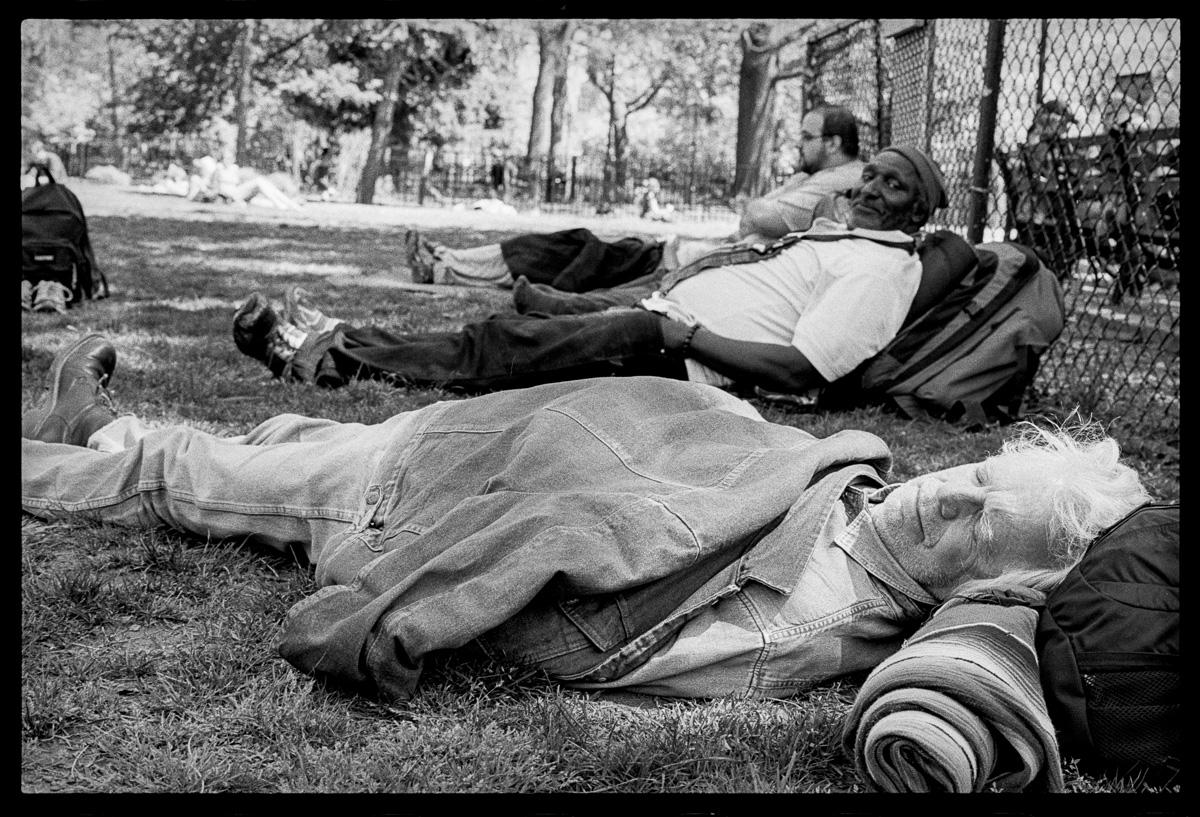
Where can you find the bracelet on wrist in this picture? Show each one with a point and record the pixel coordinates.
(686, 346)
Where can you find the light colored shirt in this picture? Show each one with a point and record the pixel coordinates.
(796, 200)
(850, 608)
(837, 302)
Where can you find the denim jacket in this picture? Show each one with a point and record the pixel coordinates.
(562, 503)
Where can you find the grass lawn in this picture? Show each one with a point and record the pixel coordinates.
(147, 657)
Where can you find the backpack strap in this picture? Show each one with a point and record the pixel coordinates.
(732, 254)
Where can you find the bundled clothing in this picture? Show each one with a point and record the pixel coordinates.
(576, 260)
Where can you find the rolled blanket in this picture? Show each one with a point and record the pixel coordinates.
(958, 708)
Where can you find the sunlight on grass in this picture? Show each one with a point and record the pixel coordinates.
(147, 658)
(279, 268)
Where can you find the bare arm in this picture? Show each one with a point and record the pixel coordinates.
(774, 366)
(763, 217)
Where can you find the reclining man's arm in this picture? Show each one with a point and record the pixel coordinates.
(773, 366)
(772, 216)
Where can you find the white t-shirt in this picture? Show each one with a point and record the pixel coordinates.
(837, 302)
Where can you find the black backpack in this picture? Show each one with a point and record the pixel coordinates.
(54, 238)
(1108, 648)
(971, 345)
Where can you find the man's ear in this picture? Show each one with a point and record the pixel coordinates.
(837, 142)
(919, 214)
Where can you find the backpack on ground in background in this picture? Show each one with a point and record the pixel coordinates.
(54, 238)
(1108, 649)
(972, 349)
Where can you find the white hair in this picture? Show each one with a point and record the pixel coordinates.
(1089, 491)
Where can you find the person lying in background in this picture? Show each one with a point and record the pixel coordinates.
(218, 181)
(578, 261)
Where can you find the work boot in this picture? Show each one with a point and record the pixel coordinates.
(77, 403)
(419, 257)
(259, 332)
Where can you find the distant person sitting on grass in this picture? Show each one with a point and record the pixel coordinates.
(645, 534)
(577, 261)
(791, 319)
(648, 205)
(218, 181)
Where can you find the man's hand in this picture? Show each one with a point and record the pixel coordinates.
(770, 365)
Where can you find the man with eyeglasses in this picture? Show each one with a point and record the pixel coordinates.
(829, 164)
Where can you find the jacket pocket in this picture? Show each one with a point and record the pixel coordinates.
(560, 636)
(600, 618)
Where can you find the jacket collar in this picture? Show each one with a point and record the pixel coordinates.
(861, 542)
(778, 558)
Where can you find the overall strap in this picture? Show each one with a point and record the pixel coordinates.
(745, 254)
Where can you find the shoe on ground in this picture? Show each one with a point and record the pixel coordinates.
(299, 311)
(51, 296)
(77, 404)
(259, 332)
(419, 257)
(26, 295)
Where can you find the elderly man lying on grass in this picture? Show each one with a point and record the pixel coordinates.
(790, 318)
(640, 533)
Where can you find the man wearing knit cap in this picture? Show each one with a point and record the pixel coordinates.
(788, 317)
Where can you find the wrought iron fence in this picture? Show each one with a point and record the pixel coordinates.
(1083, 166)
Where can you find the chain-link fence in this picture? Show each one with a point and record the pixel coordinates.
(849, 66)
(1080, 160)
(1076, 154)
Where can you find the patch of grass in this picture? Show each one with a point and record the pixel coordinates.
(147, 658)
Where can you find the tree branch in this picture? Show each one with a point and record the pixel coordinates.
(648, 95)
(289, 45)
(791, 37)
(795, 68)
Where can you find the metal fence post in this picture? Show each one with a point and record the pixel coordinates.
(984, 142)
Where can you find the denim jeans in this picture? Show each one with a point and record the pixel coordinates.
(512, 351)
(292, 483)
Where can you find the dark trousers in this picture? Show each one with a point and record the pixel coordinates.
(534, 298)
(510, 351)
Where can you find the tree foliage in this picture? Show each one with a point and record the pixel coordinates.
(661, 88)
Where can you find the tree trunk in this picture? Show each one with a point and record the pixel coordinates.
(756, 103)
(114, 113)
(243, 90)
(381, 126)
(619, 112)
(543, 97)
(562, 37)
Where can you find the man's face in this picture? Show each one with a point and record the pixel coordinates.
(814, 155)
(967, 522)
(886, 196)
